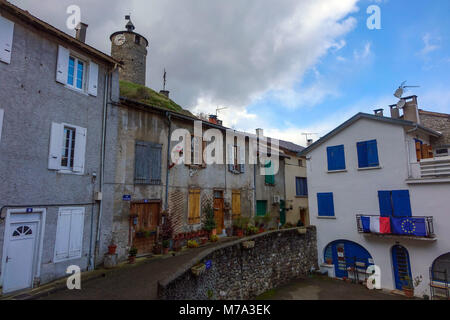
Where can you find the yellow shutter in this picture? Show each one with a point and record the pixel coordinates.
(236, 203)
(194, 206)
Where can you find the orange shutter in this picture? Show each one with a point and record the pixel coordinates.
(418, 151)
(236, 203)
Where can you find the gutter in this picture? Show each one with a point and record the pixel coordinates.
(166, 203)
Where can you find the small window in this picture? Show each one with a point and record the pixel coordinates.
(301, 186)
(367, 154)
(68, 150)
(300, 162)
(76, 73)
(137, 39)
(325, 204)
(147, 163)
(336, 158)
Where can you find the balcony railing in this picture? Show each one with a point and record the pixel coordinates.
(432, 168)
(409, 231)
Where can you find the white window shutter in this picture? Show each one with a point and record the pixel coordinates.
(6, 39)
(62, 67)
(80, 149)
(56, 140)
(63, 235)
(230, 157)
(76, 233)
(1, 123)
(93, 79)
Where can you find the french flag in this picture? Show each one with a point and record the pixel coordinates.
(376, 224)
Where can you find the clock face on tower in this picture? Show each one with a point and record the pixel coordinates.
(119, 39)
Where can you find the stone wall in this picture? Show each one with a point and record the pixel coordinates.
(237, 272)
(439, 122)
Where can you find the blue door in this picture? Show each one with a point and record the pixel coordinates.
(402, 267)
(345, 254)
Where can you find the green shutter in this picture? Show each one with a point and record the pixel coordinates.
(261, 207)
(269, 177)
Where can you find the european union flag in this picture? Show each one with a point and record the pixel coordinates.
(409, 226)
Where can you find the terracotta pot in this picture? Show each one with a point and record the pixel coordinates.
(112, 249)
(329, 261)
(131, 259)
(261, 230)
(408, 292)
(204, 240)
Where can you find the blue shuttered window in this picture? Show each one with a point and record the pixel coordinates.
(147, 163)
(325, 204)
(367, 154)
(395, 203)
(336, 158)
(301, 186)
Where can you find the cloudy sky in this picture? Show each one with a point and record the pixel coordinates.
(288, 66)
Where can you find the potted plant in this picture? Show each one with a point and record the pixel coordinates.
(166, 245)
(132, 255)
(192, 244)
(112, 247)
(157, 248)
(408, 288)
(210, 221)
(267, 219)
(214, 238)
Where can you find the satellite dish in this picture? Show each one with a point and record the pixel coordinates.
(401, 90)
(401, 103)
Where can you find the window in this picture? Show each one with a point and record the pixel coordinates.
(325, 204)
(147, 163)
(300, 162)
(367, 154)
(194, 206)
(301, 186)
(1, 122)
(269, 177)
(69, 234)
(394, 203)
(137, 39)
(76, 72)
(6, 39)
(236, 204)
(336, 158)
(261, 207)
(236, 158)
(67, 148)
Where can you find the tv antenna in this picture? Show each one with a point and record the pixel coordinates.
(220, 109)
(399, 94)
(308, 134)
(164, 79)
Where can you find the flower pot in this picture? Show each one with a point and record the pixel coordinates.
(198, 269)
(261, 230)
(131, 259)
(409, 292)
(112, 249)
(248, 244)
(204, 240)
(329, 261)
(165, 250)
(240, 233)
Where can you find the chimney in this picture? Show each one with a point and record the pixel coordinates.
(309, 142)
(81, 31)
(260, 132)
(212, 118)
(395, 113)
(378, 112)
(165, 93)
(411, 110)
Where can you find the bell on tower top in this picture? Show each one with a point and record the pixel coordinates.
(130, 26)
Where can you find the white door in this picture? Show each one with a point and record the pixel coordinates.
(22, 239)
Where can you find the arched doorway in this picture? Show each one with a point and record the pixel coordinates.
(345, 254)
(402, 266)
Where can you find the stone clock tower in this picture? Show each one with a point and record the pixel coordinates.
(130, 48)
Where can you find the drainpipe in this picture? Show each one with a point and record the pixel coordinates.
(166, 203)
(102, 166)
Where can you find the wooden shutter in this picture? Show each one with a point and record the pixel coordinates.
(62, 68)
(62, 235)
(93, 79)
(325, 204)
(80, 149)
(418, 151)
(385, 203)
(6, 39)
(401, 203)
(236, 203)
(363, 161)
(154, 156)
(56, 140)
(1, 122)
(76, 233)
(194, 206)
(372, 154)
(142, 167)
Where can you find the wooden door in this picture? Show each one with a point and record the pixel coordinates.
(147, 216)
(218, 210)
(402, 267)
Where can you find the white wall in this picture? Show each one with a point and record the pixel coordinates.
(356, 192)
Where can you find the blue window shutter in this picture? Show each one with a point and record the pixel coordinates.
(401, 203)
(155, 162)
(340, 157)
(331, 164)
(384, 200)
(362, 154)
(142, 167)
(372, 154)
(336, 158)
(325, 204)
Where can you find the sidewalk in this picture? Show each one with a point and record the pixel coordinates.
(128, 281)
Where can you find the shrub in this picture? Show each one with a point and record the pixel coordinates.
(192, 244)
(167, 229)
(210, 221)
(166, 243)
(133, 252)
(214, 238)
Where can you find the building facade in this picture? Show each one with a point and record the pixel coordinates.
(378, 197)
(54, 90)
